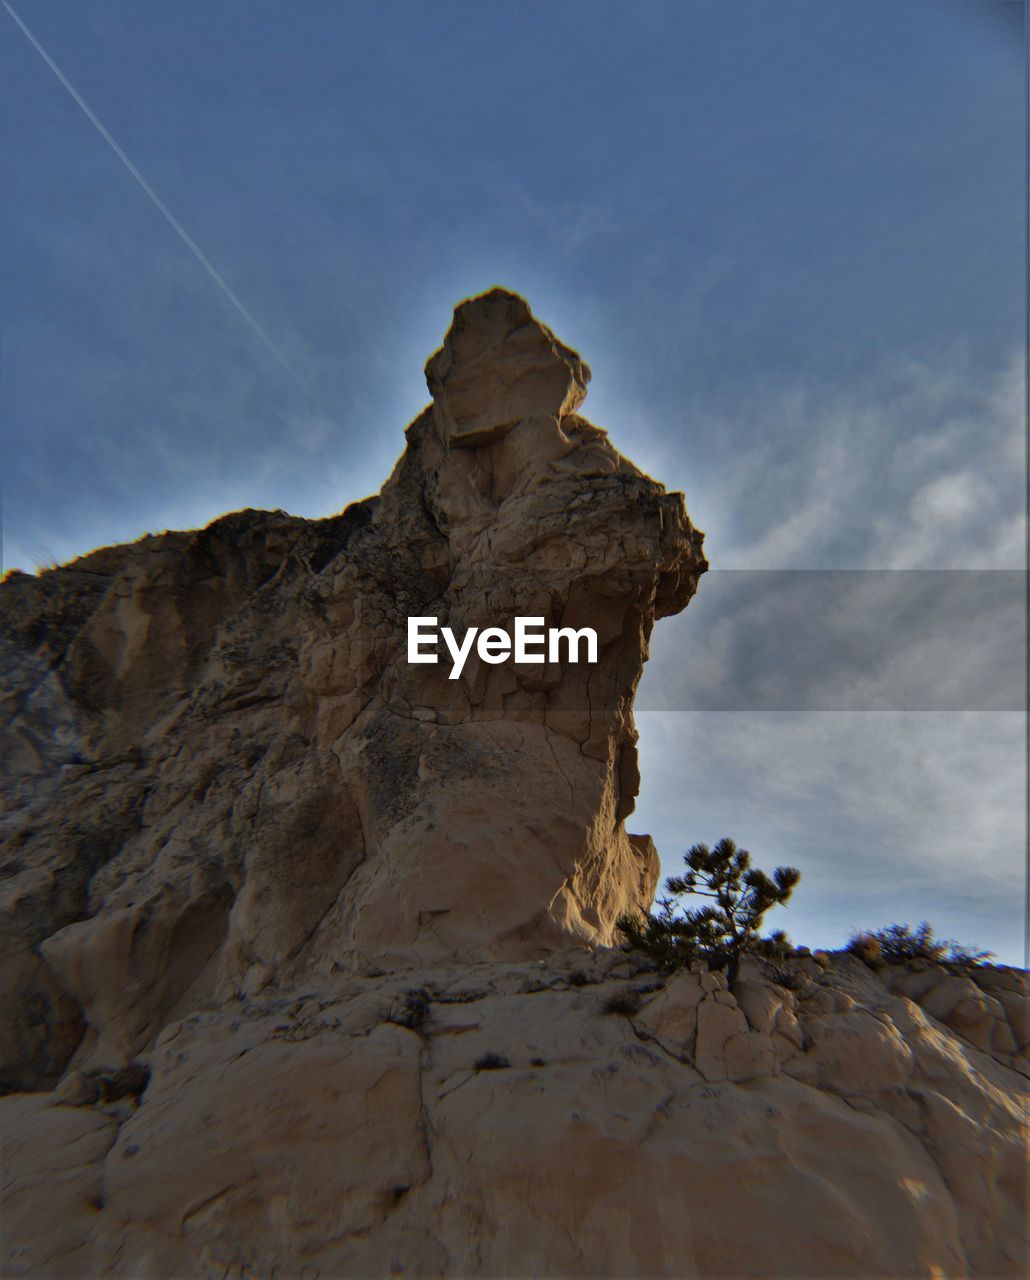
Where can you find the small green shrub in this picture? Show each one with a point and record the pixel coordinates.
(721, 932)
(965, 956)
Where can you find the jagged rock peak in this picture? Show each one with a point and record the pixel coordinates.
(498, 366)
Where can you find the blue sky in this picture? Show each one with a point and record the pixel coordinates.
(787, 236)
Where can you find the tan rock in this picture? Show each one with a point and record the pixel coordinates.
(515, 1132)
(716, 1024)
(994, 979)
(760, 1002)
(748, 1056)
(976, 1019)
(274, 1112)
(941, 1000)
(262, 788)
(787, 1025)
(915, 981)
(1002, 1040)
(671, 1015)
(983, 1005)
(128, 967)
(1017, 1014)
(499, 367)
(853, 1052)
(53, 1186)
(77, 1090)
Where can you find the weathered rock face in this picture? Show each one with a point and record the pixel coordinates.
(499, 367)
(496, 1120)
(226, 774)
(274, 903)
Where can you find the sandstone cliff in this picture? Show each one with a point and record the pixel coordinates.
(306, 951)
(225, 773)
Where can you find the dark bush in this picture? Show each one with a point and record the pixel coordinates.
(413, 1010)
(776, 947)
(626, 1002)
(491, 1062)
(900, 944)
(786, 976)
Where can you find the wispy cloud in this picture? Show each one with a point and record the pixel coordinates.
(892, 814)
(569, 223)
(919, 466)
(818, 639)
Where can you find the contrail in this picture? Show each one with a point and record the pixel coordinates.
(170, 217)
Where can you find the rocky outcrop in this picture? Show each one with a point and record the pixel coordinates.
(225, 774)
(495, 1119)
(307, 951)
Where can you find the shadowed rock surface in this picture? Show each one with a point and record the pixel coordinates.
(306, 951)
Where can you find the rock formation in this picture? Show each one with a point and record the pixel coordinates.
(230, 775)
(493, 1119)
(306, 951)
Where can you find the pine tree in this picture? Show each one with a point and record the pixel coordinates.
(728, 926)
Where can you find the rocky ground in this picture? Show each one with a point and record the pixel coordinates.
(581, 1116)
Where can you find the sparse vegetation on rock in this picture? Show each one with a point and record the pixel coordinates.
(900, 944)
(491, 1062)
(413, 1010)
(622, 1002)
